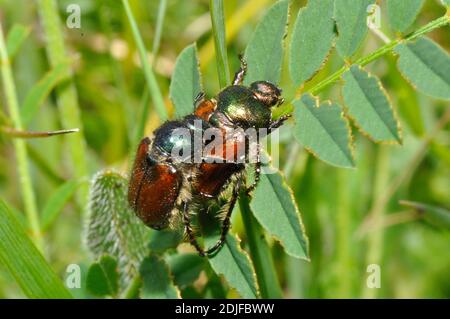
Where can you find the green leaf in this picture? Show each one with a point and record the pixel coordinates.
(312, 40)
(426, 66)
(54, 205)
(41, 90)
(16, 37)
(112, 227)
(185, 268)
(230, 261)
(436, 216)
(351, 22)
(24, 262)
(402, 13)
(102, 277)
(185, 84)
(274, 195)
(368, 104)
(216, 10)
(260, 253)
(323, 130)
(264, 52)
(165, 239)
(156, 279)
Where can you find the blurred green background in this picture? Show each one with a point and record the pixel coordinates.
(335, 203)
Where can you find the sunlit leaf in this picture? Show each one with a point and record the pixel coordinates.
(368, 104)
(102, 278)
(426, 66)
(274, 195)
(56, 202)
(185, 268)
(264, 52)
(15, 38)
(351, 22)
(323, 130)
(185, 84)
(312, 39)
(41, 90)
(156, 279)
(24, 262)
(112, 227)
(402, 13)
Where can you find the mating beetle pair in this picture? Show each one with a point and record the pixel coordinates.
(163, 188)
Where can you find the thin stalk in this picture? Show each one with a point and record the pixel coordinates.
(150, 78)
(442, 21)
(67, 99)
(375, 239)
(15, 133)
(218, 27)
(20, 147)
(269, 285)
(159, 27)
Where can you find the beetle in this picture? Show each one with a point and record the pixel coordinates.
(164, 188)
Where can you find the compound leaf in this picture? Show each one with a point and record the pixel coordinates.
(367, 103)
(402, 13)
(157, 281)
(112, 227)
(274, 195)
(102, 278)
(185, 268)
(312, 39)
(323, 130)
(426, 66)
(186, 81)
(351, 22)
(264, 52)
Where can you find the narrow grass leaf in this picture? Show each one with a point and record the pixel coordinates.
(351, 22)
(312, 39)
(112, 226)
(264, 52)
(216, 10)
(323, 130)
(368, 104)
(55, 204)
(157, 281)
(426, 66)
(40, 91)
(102, 278)
(186, 81)
(186, 268)
(274, 195)
(402, 13)
(24, 262)
(15, 38)
(436, 216)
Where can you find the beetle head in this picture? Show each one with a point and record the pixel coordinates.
(267, 93)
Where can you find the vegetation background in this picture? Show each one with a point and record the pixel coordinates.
(107, 93)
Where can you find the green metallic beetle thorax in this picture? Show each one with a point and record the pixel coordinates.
(242, 108)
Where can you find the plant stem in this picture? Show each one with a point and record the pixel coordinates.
(150, 78)
(379, 52)
(269, 285)
(159, 26)
(20, 147)
(218, 27)
(68, 108)
(133, 288)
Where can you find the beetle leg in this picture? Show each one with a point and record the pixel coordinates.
(226, 222)
(189, 230)
(199, 99)
(240, 74)
(252, 187)
(278, 122)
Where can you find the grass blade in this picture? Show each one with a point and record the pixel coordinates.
(22, 259)
(150, 78)
(218, 25)
(15, 38)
